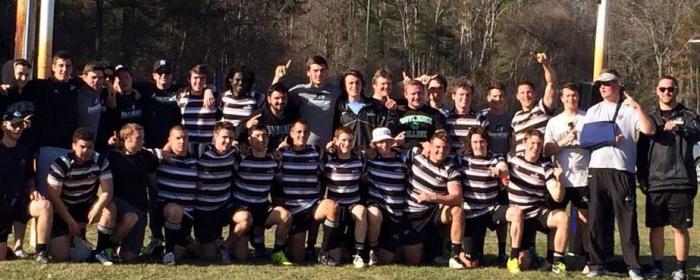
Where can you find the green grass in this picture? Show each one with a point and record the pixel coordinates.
(26, 269)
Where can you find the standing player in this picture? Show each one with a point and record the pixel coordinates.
(532, 182)
(534, 114)
(19, 199)
(197, 118)
(434, 198)
(73, 181)
(386, 180)
(161, 105)
(482, 208)
(299, 189)
(134, 173)
(462, 118)
(214, 209)
(437, 87)
(276, 115)
(419, 120)
(255, 174)
(177, 181)
(666, 170)
(342, 168)
(316, 100)
(237, 103)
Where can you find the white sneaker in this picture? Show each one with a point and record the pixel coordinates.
(169, 258)
(456, 263)
(20, 254)
(358, 262)
(373, 259)
(585, 270)
(104, 257)
(635, 274)
(225, 256)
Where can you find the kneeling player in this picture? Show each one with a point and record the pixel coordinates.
(342, 168)
(435, 197)
(532, 181)
(177, 185)
(255, 174)
(19, 199)
(480, 175)
(299, 190)
(386, 183)
(73, 183)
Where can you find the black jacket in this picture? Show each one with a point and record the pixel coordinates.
(665, 159)
(277, 128)
(371, 116)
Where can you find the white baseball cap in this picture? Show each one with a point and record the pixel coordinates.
(381, 134)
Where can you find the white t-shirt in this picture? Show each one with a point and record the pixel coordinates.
(623, 156)
(573, 159)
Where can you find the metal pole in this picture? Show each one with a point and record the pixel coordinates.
(601, 31)
(25, 27)
(46, 16)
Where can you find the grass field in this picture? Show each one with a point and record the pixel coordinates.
(25, 269)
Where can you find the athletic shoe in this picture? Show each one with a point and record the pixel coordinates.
(20, 254)
(311, 254)
(326, 260)
(455, 263)
(585, 270)
(279, 258)
(679, 275)
(151, 247)
(42, 257)
(595, 271)
(169, 258)
(502, 260)
(260, 251)
(635, 274)
(105, 257)
(655, 273)
(559, 268)
(373, 259)
(358, 262)
(225, 256)
(513, 265)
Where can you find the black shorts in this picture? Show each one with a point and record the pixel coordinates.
(21, 210)
(5, 224)
(578, 196)
(259, 212)
(475, 230)
(79, 212)
(533, 225)
(347, 226)
(302, 221)
(418, 224)
(389, 231)
(673, 208)
(133, 241)
(208, 224)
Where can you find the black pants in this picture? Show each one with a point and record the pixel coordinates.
(613, 191)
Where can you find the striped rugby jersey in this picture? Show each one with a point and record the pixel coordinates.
(198, 120)
(523, 121)
(458, 127)
(299, 178)
(177, 180)
(254, 179)
(429, 178)
(216, 177)
(79, 180)
(528, 184)
(387, 184)
(479, 187)
(342, 178)
(236, 110)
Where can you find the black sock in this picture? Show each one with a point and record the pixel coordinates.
(456, 248)
(360, 248)
(41, 247)
(514, 252)
(373, 245)
(501, 248)
(259, 242)
(329, 234)
(659, 264)
(171, 236)
(104, 238)
(279, 246)
(558, 257)
(550, 255)
(681, 265)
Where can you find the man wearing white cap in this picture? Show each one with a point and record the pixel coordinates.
(611, 174)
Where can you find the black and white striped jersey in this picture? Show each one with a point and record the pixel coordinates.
(236, 109)
(430, 178)
(479, 187)
(79, 180)
(528, 184)
(535, 118)
(216, 177)
(177, 179)
(386, 179)
(299, 178)
(458, 127)
(342, 178)
(198, 120)
(254, 179)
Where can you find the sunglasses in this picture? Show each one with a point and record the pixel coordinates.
(12, 115)
(669, 89)
(607, 84)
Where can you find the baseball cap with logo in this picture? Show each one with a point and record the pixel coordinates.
(162, 66)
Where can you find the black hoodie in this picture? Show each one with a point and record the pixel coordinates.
(277, 128)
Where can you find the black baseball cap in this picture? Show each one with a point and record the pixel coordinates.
(16, 112)
(162, 65)
(120, 68)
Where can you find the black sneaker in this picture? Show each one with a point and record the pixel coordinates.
(502, 260)
(326, 260)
